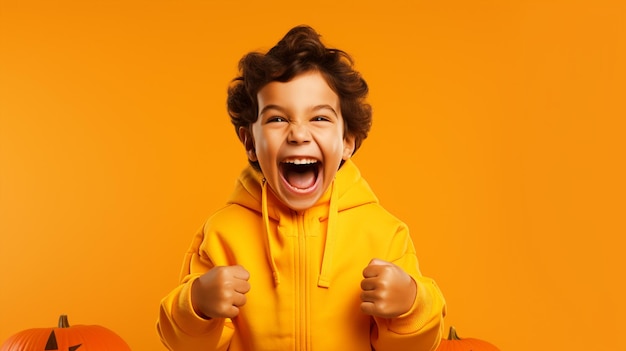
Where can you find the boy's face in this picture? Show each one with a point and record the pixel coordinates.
(298, 138)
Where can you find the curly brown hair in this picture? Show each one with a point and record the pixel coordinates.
(300, 51)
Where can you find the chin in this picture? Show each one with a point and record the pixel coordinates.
(301, 204)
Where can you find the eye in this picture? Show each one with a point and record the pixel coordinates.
(276, 119)
(321, 119)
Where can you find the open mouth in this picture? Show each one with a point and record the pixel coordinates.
(300, 173)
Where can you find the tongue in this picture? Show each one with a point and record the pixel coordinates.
(301, 180)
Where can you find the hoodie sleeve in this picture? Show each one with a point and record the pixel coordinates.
(179, 327)
(421, 328)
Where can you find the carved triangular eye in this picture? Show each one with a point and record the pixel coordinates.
(52, 342)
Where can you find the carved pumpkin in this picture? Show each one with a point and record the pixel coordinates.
(455, 343)
(66, 338)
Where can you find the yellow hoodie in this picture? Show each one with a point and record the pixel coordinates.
(305, 274)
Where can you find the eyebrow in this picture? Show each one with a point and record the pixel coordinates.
(283, 110)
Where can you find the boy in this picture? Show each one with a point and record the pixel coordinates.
(302, 257)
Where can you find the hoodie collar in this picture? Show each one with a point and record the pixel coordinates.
(348, 190)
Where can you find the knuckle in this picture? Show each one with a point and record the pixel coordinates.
(222, 310)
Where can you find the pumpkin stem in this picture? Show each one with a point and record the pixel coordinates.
(63, 322)
(453, 335)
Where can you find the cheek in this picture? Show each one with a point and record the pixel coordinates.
(260, 141)
(337, 145)
(266, 153)
(263, 149)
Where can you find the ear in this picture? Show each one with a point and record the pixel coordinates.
(245, 135)
(348, 146)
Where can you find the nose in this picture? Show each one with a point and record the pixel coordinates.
(298, 134)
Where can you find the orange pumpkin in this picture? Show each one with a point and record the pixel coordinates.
(455, 343)
(66, 338)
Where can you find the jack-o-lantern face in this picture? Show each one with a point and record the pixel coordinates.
(66, 338)
(53, 345)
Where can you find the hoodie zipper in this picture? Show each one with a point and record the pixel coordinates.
(302, 318)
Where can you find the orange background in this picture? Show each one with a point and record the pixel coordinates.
(498, 136)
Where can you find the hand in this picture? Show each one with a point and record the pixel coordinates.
(220, 292)
(387, 290)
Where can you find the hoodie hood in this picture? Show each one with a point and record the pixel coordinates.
(347, 191)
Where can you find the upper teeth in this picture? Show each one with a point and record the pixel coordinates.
(301, 161)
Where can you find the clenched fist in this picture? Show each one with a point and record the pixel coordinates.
(387, 290)
(220, 292)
